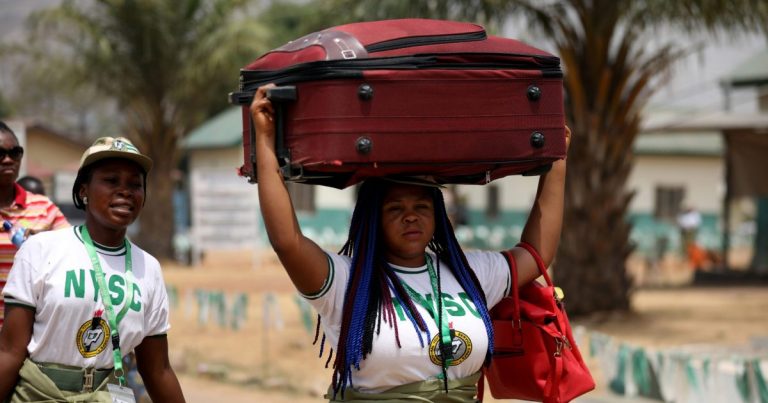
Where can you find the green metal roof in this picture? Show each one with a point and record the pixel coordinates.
(688, 143)
(221, 131)
(752, 72)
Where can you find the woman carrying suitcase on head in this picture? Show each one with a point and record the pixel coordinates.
(79, 299)
(392, 339)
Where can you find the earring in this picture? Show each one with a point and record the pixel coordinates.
(85, 200)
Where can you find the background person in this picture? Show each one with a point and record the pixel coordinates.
(689, 222)
(34, 212)
(32, 184)
(80, 299)
(392, 338)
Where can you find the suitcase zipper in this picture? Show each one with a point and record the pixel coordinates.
(352, 68)
(424, 40)
(330, 69)
(343, 69)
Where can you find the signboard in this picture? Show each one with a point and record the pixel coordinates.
(225, 210)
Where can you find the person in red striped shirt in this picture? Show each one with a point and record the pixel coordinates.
(18, 207)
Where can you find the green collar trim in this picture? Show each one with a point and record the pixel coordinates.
(408, 270)
(103, 249)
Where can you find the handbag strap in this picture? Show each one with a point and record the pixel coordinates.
(539, 261)
(552, 387)
(517, 318)
(481, 386)
(562, 321)
(515, 291)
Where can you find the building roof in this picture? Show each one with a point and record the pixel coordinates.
(38, 128)
(706, 121)
(701, 133)
(752, 72)
(222, 131)
(703, 143)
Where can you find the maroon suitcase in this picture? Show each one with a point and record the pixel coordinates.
(408, 97)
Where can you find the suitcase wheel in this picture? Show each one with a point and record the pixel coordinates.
(534, 92)
(365, 92)
(537, 139)
(364, 145)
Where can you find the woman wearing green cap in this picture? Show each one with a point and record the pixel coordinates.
(79, 299)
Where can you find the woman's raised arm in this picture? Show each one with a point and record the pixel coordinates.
(304, 260)
(545, 222)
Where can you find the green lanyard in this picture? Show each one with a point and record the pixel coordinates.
(107, 300)
(446, 339)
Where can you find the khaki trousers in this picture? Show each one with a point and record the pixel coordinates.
(36, 387)
(461, 390)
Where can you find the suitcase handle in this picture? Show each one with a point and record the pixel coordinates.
(280, 97)
(280, 94)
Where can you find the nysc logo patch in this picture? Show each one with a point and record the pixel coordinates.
(461, 347)
(118, 145)
(92, 340)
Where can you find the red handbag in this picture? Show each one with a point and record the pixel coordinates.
(535, 356)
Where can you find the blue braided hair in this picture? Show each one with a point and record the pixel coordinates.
(372, 287)
(447, 247)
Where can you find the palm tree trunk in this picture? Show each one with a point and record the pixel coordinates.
(591, 260)
(155, 135)
(760, 258)
(156, 227)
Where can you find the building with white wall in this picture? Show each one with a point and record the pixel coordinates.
(671, 171)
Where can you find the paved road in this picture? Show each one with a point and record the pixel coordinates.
(201, 390)
(611, 398)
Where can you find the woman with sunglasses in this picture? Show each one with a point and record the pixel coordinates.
(19, 208)
(80, 299)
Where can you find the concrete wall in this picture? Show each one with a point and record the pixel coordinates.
(701, 176)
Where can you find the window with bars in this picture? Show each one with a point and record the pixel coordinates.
(493, 204)
(668, 202)
(303, 196)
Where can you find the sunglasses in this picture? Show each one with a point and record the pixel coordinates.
(15, 153)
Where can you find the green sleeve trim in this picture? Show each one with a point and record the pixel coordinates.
(161, 335)
(509, 276)
(18, 304)
(326, 285)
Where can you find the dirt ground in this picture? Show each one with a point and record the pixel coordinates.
(270, 356)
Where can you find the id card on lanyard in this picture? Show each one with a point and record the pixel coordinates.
(119, 391)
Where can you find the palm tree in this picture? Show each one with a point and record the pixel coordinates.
(5, 108)
(760, 258)
(613, 62)
(167, 65)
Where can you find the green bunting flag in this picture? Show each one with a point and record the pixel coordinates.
(689, 373)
